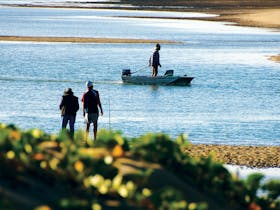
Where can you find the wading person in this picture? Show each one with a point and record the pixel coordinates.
(154, 60)
(91, 103)
(69, 106)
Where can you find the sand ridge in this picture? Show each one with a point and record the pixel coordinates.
(81, 39)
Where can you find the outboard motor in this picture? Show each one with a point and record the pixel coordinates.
(126, 72)
(169, 73)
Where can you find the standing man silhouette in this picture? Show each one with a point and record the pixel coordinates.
(154, 61)
(69, 106)
(91, 103)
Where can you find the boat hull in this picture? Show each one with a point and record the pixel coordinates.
(159, 80)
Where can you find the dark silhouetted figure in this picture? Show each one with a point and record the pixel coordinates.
(69, 106)
(91, 103)
(155, 61)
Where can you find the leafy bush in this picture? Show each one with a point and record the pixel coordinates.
(44, 172)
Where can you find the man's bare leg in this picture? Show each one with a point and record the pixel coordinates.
(95, 129)
(87, 131)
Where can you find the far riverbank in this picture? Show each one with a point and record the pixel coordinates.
(251, 13)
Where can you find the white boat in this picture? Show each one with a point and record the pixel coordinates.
(167, 79)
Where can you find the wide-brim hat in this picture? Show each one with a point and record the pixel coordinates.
(68, 91)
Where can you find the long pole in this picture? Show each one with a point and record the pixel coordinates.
(109, 113)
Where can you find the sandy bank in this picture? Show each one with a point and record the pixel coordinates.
(251, 156)
(81, 40)
(265, 18)
(275, 58)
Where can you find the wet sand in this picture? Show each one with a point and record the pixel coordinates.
(251, 156)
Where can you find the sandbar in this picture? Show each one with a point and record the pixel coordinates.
(81, 39)
(275, 58)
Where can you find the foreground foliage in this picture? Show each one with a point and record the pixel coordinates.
(46, 172)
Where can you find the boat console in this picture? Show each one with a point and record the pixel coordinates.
(126, 72)
(169, 73)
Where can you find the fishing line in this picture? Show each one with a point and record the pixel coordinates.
(139, 69)
(109, 107)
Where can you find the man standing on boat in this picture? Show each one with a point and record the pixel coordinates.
(154, 61)
(91, 102)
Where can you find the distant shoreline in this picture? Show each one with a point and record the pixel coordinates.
(262, 14)
(252, 16)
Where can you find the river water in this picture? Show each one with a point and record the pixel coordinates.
(234, 98)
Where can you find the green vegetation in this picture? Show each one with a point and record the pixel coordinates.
(48, 172)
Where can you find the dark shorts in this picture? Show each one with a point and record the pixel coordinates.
(91, 117)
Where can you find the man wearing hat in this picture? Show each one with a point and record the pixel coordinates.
(69, 106)
(154, 61)
(91, 103)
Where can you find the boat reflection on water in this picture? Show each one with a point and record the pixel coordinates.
(167, 79)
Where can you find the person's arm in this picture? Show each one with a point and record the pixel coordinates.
(150, 61)
(83, 98)
(77, 104)
(101, 110)
(61, 103)
(99, 103)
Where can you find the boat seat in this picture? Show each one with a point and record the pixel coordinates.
(169, 73)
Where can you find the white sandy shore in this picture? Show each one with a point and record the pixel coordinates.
(243, 172)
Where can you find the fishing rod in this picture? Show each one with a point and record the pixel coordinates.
(109, 104)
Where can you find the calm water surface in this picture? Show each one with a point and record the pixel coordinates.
(234, 98)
